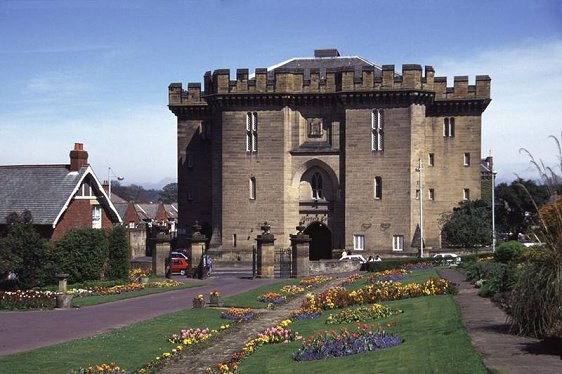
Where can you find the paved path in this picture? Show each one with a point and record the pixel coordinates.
(501, 351)
(234, 341)
(57, 326)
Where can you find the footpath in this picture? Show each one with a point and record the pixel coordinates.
(501, 351)
(26, 330)
(231, 342)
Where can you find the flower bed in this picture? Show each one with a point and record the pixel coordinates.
(272, 297)
(388, 275)
(238, 314)
(292, 290)
(351, 279)
(418, 266)
(273, 335)
(111, 368)
(361, 314)
(29, 299)
(315, 281)
(136, 273)
(331, 344)
(163, 284)
(339, 297)
(117, 289)
(309, 313)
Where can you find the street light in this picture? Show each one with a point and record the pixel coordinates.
(494, 173)
(109, 174)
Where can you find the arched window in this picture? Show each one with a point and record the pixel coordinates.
(317, 189)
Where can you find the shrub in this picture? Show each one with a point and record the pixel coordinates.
(82, 253)
(24, 251)
(393, 264)
(118, 254)
(509, 251)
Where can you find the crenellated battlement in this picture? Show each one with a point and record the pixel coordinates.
(285, 80)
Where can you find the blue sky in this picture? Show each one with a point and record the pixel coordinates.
(97, 72)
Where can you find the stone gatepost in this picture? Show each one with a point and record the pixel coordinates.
(266, 259)
(300, 245)
(160, 254)
(196, 249)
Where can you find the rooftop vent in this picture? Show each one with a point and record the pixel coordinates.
(332, 52)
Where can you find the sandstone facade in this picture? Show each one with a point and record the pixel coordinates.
(331, 141)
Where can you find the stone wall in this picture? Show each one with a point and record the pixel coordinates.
(333, 267)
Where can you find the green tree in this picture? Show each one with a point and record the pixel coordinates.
(23, 251)
(169, 193)
(118, 253)
(82, 253)
(468, 225)
(515, 205)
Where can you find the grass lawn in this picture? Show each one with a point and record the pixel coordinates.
(435, 342)
(101, 299)
(248, 299)
(130, 347)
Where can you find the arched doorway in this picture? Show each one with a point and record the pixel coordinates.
(321, 241)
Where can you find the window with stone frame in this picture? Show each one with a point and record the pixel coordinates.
(449, 127)
(252, 188)
(251, 132)
(466, 159)
(398, 242)
(315, 128)
(377, 130)
(358, 242)
(316, 183)
(466, 194)
(431, 194)
(378, 188)
(431, 159)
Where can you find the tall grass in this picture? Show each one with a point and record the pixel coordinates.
(536, 300)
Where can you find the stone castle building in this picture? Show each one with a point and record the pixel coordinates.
(335, 142)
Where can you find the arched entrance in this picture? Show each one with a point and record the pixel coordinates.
(321, 241)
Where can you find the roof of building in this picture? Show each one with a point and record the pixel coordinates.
(44, 190)
(325, 59)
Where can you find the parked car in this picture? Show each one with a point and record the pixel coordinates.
(179, 255)
(179, 265)
(447, 258)
(359, 258)
(530, 243)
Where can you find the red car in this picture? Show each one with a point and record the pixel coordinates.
(179, 265)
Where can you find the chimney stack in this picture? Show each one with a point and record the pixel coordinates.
(78, 157)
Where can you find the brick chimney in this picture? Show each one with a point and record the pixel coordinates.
(78, 157)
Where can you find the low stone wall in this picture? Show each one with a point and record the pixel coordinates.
(333, 267)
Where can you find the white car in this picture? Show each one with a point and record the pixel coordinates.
(359, 258)
(447, 258)
(179, 255)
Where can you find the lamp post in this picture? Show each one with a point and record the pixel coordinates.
(494, 173)
(419, 169)
(109, 174)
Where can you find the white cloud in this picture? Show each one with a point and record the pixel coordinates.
(57, 84)
(526, 100)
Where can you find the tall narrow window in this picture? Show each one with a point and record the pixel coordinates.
(431, 194)
(377, 130)
(378, 188)
(317, 186)
(398, 242)
(449, 127)
(417, 194)
(252, 188)
(252, 132)
(234, 240)
(358, 242)
(96, 217)
(466, 194)
(467, 159)
(431, 159)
